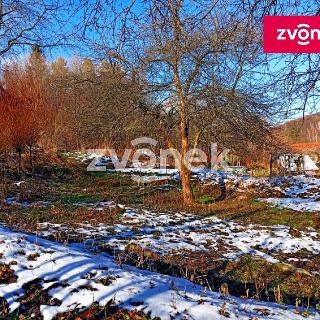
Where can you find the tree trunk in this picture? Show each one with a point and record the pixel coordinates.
(184, 170)
(184, 130)
(31, 158)
(184, 136)
(270, 165)
(19, 160)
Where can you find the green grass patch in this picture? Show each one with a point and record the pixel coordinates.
(255, 212)
(80, 198)
(205, 199)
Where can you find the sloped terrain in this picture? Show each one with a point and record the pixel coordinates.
(73, 279)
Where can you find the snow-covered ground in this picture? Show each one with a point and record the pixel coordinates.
(297, 204)
(167, 234)
(81, 272)
(301, 193)
(75, 276)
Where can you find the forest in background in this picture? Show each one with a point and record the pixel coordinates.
(78, 105)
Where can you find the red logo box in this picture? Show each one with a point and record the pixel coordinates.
(291, 34)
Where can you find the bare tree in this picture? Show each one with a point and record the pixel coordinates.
(188, 57)
(29, 22)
